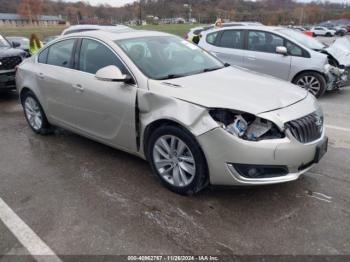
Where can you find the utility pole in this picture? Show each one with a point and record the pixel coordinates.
(140, 13)
(301, 18)
(189, 11)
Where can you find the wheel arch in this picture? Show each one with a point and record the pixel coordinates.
(23, 91)
(306, 71)
(151, 127)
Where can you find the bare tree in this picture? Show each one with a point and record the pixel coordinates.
(30, 9)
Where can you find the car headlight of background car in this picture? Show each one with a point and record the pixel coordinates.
(246, 126)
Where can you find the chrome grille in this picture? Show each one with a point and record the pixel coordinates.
(306, 129)
(8, 63)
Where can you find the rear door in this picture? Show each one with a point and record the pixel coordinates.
(261, 55)
(227, 45)
(54, 76)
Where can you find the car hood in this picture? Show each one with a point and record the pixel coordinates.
(340, 50)
(231, 88)
(7, 51)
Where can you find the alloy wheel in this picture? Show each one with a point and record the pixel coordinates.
(33, 113)
(310, 83)
(174, 161)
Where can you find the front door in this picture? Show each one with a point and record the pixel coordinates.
(101, 109)
(261, 55)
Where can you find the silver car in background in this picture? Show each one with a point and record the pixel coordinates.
(168, 101)
(280, 52)
(84, 28)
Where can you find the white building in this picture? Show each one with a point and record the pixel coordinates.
(7, 19)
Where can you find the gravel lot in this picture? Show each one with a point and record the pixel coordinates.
(81, 197)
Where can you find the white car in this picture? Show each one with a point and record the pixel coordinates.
(166, 100)
(322, 31)
(83, 28)
(196, 31)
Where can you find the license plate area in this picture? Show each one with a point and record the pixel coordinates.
(321, 150)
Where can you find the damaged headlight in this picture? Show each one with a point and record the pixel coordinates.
(245, 126)
(334, 70)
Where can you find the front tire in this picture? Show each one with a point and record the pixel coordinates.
(177, 160)
(313, 82)
(34, 114)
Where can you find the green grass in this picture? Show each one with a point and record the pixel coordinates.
(41, 31)
(176, 29)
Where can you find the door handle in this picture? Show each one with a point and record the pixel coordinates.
(40, 75)
(252, 58)
(78, 88)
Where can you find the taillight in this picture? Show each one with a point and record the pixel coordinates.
(186, 36)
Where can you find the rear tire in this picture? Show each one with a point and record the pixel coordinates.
(35, 114)
(177, 160)
(313, 82)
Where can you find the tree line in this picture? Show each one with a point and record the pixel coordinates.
(269, 12)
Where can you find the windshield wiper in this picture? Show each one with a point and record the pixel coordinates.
(211, 69)
(172, 76)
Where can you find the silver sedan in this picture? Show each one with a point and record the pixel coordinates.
(197, 121)
(280, 52)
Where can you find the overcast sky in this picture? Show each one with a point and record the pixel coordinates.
(123, 2)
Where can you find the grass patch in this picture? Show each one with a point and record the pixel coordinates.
(41, 31)
(175, 29)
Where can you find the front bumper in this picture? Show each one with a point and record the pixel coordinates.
(8, 79)
(336, 78)
(222, 149)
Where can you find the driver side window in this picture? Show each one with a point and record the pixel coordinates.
(263, 41)
(94, 56)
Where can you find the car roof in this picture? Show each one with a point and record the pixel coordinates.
(94, 26)
(97, 27)
(13, 36)
(119, 35)
(249, 27)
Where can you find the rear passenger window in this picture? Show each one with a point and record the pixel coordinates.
(60, 53)
(232, 39)
(43, 56)
(211, 38)
(94, 56)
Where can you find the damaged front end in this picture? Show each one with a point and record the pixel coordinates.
(336, 76)
(339, 63)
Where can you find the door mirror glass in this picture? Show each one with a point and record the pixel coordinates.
(281, 50)
(111, 73)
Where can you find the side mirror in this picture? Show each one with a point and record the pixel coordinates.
(15, 44)
(281, 50)
(111, 73)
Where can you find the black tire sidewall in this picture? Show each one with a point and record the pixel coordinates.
(201, 177)
(319, 77)
(45, 124)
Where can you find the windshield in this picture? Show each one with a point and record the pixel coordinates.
(302, 39)
(168, 57)
(4, 42)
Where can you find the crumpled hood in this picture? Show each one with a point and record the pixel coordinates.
(340, 50)
(231, 88)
